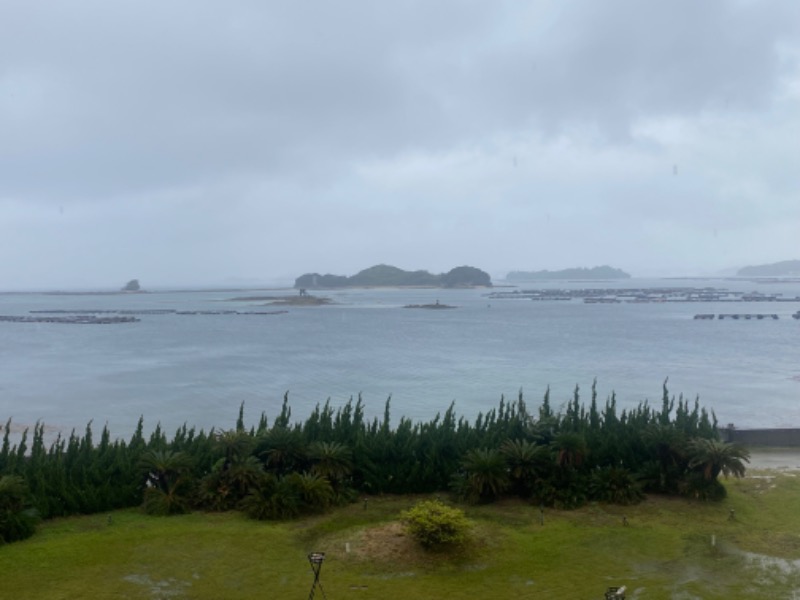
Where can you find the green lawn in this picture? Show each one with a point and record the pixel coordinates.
(664, 551)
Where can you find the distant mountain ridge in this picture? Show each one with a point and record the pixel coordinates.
(389, 276)
(784, 268)
(602, 272)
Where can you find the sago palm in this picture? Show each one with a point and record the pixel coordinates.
(485, 474)
(713, 457)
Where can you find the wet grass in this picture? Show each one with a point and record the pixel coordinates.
(669, 548)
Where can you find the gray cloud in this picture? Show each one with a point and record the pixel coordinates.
(493, 133)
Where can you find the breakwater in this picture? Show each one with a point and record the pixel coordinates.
(772, 437)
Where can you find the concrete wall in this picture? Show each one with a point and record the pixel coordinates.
(781, 438)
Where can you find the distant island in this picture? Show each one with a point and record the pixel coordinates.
(132, 286)
(603, 272)
(435, 306)
(389, 276)
(785, 268)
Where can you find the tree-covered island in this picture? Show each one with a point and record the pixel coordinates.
(784, 268)
(602, 272)
(389, 276)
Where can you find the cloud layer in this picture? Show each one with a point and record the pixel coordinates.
(196, 141)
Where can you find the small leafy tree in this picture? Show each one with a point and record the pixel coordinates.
(435, 525)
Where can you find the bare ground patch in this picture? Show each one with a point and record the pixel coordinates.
(389, 546)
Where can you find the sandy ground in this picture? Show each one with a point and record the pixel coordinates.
(783, 459)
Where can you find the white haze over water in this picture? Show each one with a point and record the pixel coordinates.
(247, 142)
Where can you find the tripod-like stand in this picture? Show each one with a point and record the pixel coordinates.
(315, 559)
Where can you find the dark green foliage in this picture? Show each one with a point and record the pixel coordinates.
(553, 458)
(331, 460)
(696, 486)
(615, 485)
(274, 498)
(288, 496)
(17, 517)
(714, 457)
(483, 476)
(167, 481)
(436, 526)
(282, 450)
(528, 465)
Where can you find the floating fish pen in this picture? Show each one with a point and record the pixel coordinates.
(70, 320)
(741, 316)
(748, 317)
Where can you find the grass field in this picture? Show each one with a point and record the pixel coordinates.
(669, 548)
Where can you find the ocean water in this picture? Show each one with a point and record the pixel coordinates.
(197, 369)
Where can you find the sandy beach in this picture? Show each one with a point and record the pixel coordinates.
(781, 459)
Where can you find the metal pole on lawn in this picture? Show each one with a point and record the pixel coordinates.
(315, 560)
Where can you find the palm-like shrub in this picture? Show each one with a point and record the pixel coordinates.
(527, 463)
(615, 485)
(273, 498)
(570, 449)
(331, 460)
(712, 457)
(167, 481)
(282, 450)
(315, 492)
(667, 445)
(229, 482)
(483, 476)
(235, 445)
(695, 485)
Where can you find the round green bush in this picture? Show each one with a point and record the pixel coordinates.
(435, 525)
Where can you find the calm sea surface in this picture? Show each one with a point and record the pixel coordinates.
(198, 369)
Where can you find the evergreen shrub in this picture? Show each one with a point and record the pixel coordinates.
(435, 525)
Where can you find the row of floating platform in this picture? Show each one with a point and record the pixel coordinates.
(742, 316)
(114, 317)
(641, 295)
(71, 320)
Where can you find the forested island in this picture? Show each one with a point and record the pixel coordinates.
(603, 272)
(785, 268)
(389, 276)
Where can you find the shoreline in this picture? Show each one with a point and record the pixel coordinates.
(773, 459)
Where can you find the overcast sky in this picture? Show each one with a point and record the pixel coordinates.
(192, 141)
